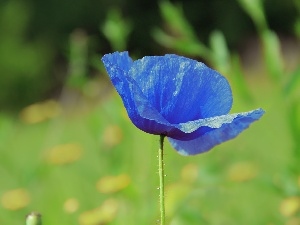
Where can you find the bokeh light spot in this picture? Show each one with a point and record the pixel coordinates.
(39, 112)
(101, 215)
(71, 205)
(290, 206)
(64, 154)
(15, 199)
(112, 136)
(189, 173)
(112, 184)
(242, 171)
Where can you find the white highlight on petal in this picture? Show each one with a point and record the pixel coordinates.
(212, 122)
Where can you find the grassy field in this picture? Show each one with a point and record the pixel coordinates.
(87, 164)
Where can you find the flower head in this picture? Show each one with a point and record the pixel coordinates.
(178, 97)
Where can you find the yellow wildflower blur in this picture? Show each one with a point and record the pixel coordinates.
(64, 154)
(39, 112)
(242, 171)
(112, 184)
(293, 221)
(71, 205)
(112, 136)
(189, 173)
(101, 215)
(290, 206)
(15, 199)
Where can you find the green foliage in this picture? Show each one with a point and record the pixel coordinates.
(220, 51)
(272, 54)
(22, 63)
(116, 29)
(297, 22)
(255, 10)
(270, 42)
(182, 38)
(78, 56)
(291, 87)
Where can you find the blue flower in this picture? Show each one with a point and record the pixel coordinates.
(177, 97)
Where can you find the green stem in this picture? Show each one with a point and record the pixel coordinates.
(161, 179)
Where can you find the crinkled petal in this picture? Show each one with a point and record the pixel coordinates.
(121, 60)
(171, 95)
(181, 89)
(225, 129)
(142, 111)
(117, 65)
(151, 120)
(142, 108)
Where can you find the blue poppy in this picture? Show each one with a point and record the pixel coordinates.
(177, 97)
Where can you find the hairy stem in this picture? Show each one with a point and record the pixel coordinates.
(161, 179)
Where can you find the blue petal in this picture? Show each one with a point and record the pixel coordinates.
(180, 89)
(117, 66)
(120, 60)
(170, 94)
(222, 129)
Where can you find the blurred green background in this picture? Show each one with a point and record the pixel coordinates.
(69, 151)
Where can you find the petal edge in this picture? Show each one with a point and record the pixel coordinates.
(218, 135)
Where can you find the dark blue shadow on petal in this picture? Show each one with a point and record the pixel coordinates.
(219, 135)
